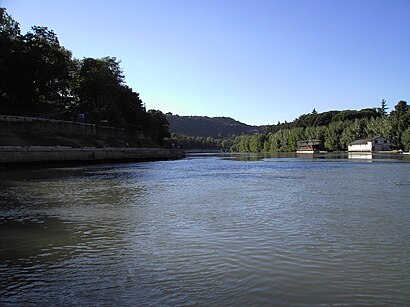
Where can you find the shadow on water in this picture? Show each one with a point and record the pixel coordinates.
(51, 215)
(36, 240)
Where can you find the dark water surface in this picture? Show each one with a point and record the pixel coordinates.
(208, 231)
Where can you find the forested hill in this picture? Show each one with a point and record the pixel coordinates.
(203, 126)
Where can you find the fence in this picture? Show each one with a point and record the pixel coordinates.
(60, 127)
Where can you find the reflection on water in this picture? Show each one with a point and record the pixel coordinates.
(361, 155)
(208, 230)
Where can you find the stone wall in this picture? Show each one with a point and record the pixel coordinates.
(55, 154)
(64, 128)
(33, 141)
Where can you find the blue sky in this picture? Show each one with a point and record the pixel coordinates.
(258, 61)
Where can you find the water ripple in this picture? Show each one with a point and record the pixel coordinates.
(207, 232)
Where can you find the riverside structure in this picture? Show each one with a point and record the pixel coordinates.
(27, 141)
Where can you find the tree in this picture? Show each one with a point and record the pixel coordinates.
(332, 135)
(256, 143)
(400, 109)
(48, 67)
(34, 69)
(405, 138)
(99, 82)
(158, 126)
(380, 126)
(8, 26)
(383, 109)
(400, 121)
(9, 36)
(274, 141)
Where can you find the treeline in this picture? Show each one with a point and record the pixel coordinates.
(203, 126)
(39, 77)
(335, 129)
(189, 142)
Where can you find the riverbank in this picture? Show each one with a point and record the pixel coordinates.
(26, 156)
(28, 141)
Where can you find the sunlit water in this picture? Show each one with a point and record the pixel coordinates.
(207, 231)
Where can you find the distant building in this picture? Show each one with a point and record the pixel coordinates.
(369, 145)
(309, 146)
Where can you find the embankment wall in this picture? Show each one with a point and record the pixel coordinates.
(12, 155)
(66, 128)
(33, 141)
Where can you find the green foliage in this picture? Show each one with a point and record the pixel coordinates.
(380, 126)
(158, 126)
(256, 143)
(400, 109)
(400, 121)
(383, 108)
(197, 142)
(405, 139)
(35, 71)
(216, 127)
(39, 77)
(335, 129)
(8, 26)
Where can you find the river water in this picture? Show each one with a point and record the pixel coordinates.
(208, 231)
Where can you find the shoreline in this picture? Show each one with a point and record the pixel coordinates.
(12, 157)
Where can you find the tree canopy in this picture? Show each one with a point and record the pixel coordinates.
(335, 130)
(39, 77)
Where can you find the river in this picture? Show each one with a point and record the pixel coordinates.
(208, 230)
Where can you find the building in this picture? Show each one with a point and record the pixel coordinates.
(309, 146)
(369, 145)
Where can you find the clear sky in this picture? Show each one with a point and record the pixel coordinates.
(258, 61)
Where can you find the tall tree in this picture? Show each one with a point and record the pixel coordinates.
(405, 138)
(383, 108)
(8, 26)
(34, 69)
(400, 109)
(98, 84)
(158, 126)
(48, 66)
(400, 121)
(9, 36)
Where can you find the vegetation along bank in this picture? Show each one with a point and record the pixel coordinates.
(334, 129)
(40, 78)
(57, 108)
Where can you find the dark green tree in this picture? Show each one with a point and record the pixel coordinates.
(47, 70)
(158, 126)
(400, 121)
(405, 138)
(383, 108)
(400, 109)
(10, 37)
(256, 143)
(34, 70)
(99, 83)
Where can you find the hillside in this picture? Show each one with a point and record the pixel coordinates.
(203, 126)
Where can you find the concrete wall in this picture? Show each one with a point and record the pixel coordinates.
(16, 155)
(50, 154)
(47, 126)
